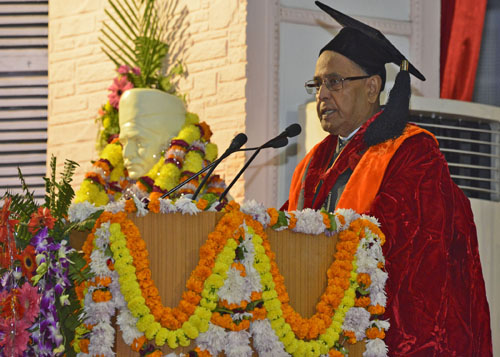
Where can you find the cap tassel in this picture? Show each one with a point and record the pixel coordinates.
(392, 121)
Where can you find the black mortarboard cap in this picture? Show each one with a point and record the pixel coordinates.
(363, 44)
(371, 50)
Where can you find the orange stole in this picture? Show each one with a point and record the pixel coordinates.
(364, 183)
(366, 178)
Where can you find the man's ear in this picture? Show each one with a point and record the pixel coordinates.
(373, 85)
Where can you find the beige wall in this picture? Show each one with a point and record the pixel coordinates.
(208, 36)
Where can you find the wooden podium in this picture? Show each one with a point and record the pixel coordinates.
(174, 241)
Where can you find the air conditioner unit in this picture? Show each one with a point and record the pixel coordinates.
(469, 137)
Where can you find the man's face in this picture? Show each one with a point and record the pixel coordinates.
(141, 149)
(342, 111)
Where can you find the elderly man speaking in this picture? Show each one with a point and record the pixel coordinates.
(374, 162)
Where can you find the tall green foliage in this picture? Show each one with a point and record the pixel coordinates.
(135, 39)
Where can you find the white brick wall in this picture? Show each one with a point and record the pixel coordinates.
(212, 48)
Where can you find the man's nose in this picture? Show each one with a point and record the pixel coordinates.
(323, 92)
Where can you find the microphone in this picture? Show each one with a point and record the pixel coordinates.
(277, 144)
(290, 131)
(237, 142)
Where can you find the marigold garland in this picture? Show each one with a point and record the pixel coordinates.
(200, 303)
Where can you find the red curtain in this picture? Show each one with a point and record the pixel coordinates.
(461, 32)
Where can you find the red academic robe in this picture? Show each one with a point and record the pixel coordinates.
(436, 295)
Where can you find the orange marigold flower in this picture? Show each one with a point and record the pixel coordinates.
(103, 165)
(292, 222)
(363, 301)
(202, 204)
(326, 220)
(207, 133)
(259, 313)
(95, 177)
(101, 296)
(102, 281)
(84, 345)
(156, 353)
(273, 213)
(240, 267)
(376, 310)
(79, 289)
(138, 343)
(335, 353)
(374, 332)
(351, 337)
(256, 295)
(232, 206)
(364, 279)
(202, 353)
(154, 202)
(130, 206)
(141, 186)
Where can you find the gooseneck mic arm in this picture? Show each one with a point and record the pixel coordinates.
(238, 141)
(289, 132)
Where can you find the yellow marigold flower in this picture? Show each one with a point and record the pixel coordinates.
(117, 173)
(231, 243)
(113, 153)
(220, 267)
(189, 134)
(292, 347)
(191, 118)
(169, 176)
(301, 348)
(144, 322)
(209, 305)
(151, 330)
(190, 330)
(172, 341)
(211, 151)
(193, 162)
(161, 337)
(183, 339)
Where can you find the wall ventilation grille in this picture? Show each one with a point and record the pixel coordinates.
(471, 147)
(23, 94)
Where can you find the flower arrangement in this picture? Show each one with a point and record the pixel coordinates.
(236, 291)
(141, 67)
(136, 45)
(39, 308)
(188, 153)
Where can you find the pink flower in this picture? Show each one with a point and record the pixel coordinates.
(119, 86)
(123, 69)
(136, 71)
(13, 343)
(29, 300)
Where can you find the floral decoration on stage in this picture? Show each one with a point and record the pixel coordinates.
(39, 307)
(236, 293)
(188, 152)
(140, 66)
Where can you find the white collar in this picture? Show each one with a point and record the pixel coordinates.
(348, 137)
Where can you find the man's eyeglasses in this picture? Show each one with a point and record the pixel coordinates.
(331, 83)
